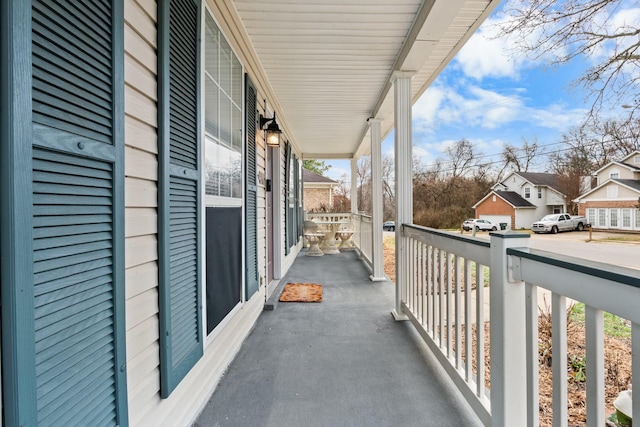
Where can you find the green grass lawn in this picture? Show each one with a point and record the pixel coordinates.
(613, 325)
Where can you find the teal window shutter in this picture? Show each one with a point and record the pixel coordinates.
(287, 188)
(179, 204)
(251, 191)
(75, 175)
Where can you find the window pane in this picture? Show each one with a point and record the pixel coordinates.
(225, 121)
(221, 165)
(225, 67)
(236, 89)
(211, 107)
(626, 218)
(211, 49)
(613, 217)
(602, 217)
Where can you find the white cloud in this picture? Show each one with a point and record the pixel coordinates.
(486, 55)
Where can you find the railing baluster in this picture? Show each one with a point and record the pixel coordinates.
(594, 334)
(480, 329)
(468, 353)
(449, 283)
(635, 365)
(420, 282)
(441, 276)
(411, 274)
(533, 396)
(559, 360)
(456, 280)
(434, 276)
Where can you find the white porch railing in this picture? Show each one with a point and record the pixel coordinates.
(441, 302)
(361, 225)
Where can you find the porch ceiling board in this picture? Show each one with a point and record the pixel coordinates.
(329, 62)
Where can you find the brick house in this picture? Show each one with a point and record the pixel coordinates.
(614, 202)
(317, 191)
(520, 199)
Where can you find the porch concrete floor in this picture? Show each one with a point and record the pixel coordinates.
(342, 362)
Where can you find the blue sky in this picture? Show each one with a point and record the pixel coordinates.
(491, 96)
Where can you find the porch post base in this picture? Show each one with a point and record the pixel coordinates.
(399, 317)
(377, 279)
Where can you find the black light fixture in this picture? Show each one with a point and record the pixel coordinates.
(272, 132)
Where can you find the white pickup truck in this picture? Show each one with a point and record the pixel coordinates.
(559, 222)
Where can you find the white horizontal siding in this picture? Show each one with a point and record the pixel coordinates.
(141, 199)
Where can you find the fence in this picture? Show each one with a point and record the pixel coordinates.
(456, 285)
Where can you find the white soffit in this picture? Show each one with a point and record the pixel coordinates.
(329, 61)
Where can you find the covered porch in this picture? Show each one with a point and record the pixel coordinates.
(344, 361)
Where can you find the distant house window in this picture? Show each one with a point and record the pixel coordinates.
(494, 198)
(612, 192)
(636, 160)
(614, 175)
(539, 193)
(527, 192)
(602, 217)
(613, 217)
(591, 216)
(626, 218)
(638, 218)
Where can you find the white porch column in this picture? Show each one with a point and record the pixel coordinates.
(354, 186)
(376, 193)
(404, 178)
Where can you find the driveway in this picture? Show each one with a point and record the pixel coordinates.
(577, 244)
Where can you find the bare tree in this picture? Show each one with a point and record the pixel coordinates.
(602, 30)
(520, 159)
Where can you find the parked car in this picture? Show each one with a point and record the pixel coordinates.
(478, 224)
(389, 226)
(559, 222)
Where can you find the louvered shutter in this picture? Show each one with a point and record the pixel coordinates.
(287, 184)
(251, 192)
(78, 212)
(179, 196)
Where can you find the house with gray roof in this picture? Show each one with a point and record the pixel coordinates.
(317, 191)
(613, 204)
(521, 198)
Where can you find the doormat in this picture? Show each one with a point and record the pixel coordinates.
(301, 292)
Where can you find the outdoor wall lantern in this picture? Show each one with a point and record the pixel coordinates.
(272, 132)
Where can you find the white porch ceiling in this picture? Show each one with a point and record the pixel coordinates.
(329, 62)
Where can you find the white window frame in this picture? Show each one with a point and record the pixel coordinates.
(614, 218)
(539, 192)
(602, 218)
(625, 214)
(527, 192)
(216, 200)
(591, 216)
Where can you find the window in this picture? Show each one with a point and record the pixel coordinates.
(612, 192)
(613, 217)
(527, 192)
(539, 192)
(223, 116)
(591, 216)
(638, 219)
(602, 217)
(614, 175)
(626, 218)
(636, 160)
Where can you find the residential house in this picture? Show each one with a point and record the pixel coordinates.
(521, 198)
(317, 191)
(614, 202)
(145, 216)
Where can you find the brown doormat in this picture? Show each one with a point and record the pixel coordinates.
(301, 292)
